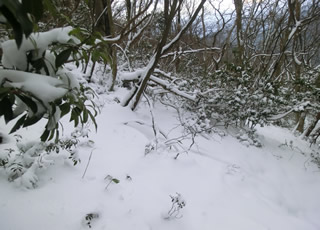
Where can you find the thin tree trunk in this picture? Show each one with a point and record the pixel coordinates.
(113, 49)
(301, 121)
(177, 61)
(284, 39)
(168, 15)
(312, 125)
(204, 38)
(240, 51)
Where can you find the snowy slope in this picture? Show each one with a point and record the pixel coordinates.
(224, 184)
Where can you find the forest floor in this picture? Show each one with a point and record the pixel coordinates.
(219, 183)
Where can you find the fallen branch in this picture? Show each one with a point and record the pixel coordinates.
(172, 89)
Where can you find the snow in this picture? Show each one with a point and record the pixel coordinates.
(173, 89)
(45, 87)
(68, 78)
(130, 76)
(223, 184)
(38, 42)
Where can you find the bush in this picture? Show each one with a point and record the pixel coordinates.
(34, 84)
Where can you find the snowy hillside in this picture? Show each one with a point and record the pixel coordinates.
(159, 115)
(219, 183)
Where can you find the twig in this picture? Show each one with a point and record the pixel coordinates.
(154, 127)
(85, 171)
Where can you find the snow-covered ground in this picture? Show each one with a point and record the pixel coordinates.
(223, 184)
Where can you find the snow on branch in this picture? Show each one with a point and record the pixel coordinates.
(14, 57)
(296, 59)
(172, 89)
(300, 107)
(279, 116)
(190, 51)
(41, 87)
(131, 76)
(294, 30)
(164, 74)
(275, 54)
(115, 39)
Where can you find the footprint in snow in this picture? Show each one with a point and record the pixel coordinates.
(234, 174)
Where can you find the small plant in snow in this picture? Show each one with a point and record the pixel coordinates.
(314, 155)
(286, 144)
(23, 166)
(5, 156)
(89, 218)
(177, 204)
(151, 146)
(292, 147)
(70, 144)
(110, 179)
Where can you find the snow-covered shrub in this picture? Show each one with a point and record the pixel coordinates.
(305, 101)
(34, 84)
(235, 98)
(230, 97)
(24, 164)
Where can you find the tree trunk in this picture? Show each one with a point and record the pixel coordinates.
(155, 59)
(99, 23)
(170, 9)
(316, 135)
(284, 40)
(177, 61)
(312, 125)
(240, 49)
(301, 119)
(113, 49)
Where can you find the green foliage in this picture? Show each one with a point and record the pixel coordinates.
(8, 97)
(93, 47)
(63, 57)
(17, 14)
(78, 102)
(75, 103)
(116, 181)
(110, 179)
